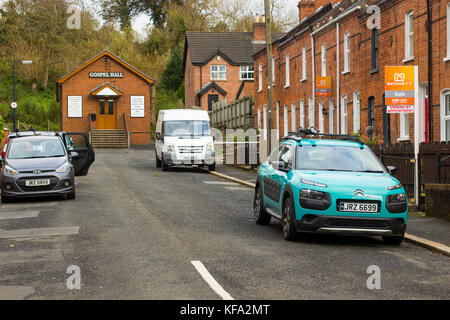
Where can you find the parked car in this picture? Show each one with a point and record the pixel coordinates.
(36, 164)
(183, 137)
(330, 184)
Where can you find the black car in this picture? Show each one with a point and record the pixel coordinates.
(35, 164)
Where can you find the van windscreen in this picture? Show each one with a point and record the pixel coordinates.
(192, 128)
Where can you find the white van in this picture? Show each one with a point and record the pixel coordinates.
(184, 137)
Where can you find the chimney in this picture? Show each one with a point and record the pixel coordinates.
(259, 28)
(307, 8)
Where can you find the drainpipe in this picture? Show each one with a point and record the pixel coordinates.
(430, 72)
(313, 68)
(338, 89)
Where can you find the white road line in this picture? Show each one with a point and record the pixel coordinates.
(221, 183)
(34, 256)
(19, 215)
(211, 281)
(23, 205)
(15, 292)
(39, 232)
(238, 189)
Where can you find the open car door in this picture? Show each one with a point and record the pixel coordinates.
(79, 143)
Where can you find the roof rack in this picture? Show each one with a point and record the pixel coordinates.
(303, 132)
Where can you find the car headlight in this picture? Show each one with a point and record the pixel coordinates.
(170, 148)
(315, 200)
(312, 183)
(312, 194)
(210, 147)
(8, 171)
(396, 187)
(397, 198)
(64, 168)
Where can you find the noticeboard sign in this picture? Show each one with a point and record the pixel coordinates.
(400, 89)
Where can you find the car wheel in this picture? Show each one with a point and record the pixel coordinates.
(287, 220)
(212, 167)
(164, 165)
(71, 195)
(261, 216)
(158, 162)
(394, 240)
(6, 199)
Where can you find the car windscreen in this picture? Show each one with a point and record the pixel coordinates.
(337, 158)
(29, 148)
(180, 128)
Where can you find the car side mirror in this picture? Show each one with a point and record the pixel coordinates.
(281, 166)
(159, 136)
(391, 169)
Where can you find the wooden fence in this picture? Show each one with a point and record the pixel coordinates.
(236, 115)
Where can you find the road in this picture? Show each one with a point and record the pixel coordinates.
(134, 231)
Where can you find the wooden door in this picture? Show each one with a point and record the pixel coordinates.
(106, 114)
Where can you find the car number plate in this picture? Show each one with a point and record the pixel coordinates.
(358, 207)
(37, 183)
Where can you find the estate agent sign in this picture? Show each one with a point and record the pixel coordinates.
(400, 89)
(324, 87)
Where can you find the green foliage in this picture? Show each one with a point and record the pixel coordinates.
(173, 76)
(370, 141)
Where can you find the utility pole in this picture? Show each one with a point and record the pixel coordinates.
(268, 16)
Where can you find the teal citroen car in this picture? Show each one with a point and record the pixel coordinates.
(325, 183)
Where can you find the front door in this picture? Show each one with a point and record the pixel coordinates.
(212, 98)
(106, 114)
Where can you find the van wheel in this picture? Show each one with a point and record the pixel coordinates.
(158, 162)
(261, 215)
(164, 165)
(394, 240)
(212, 167)
(287, 220)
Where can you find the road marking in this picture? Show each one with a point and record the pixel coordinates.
(221, 183)
(23, 205)
(39, 232)
(432, 245)
(15, 292)
(211, 281)
(14, 257)
(19, 215)
(238, 189)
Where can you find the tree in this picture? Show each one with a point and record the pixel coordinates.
(173, 77)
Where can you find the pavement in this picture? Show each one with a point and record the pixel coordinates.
(419, 225)
(136, 232)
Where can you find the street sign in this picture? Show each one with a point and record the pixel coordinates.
(400, 89)
(13, 105)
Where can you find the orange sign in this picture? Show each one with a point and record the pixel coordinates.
(400, 86)
(324, 87)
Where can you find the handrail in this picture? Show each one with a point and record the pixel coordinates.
(125, 125)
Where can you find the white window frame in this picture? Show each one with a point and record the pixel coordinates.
(321, 118)
(265, 121)
(285, 120)
(293, 117)
(288, 75)
(409, 36)
(278, 121)
(444, 118)
(447, 58)
(344, 115)
(304, 64)
(273, 70)
(356, 112)
(260, 82)
(311, 113)
(302, 113)
(331, 117)
(215, 74)
(346, 53)
(324, 60)
(404, 127)
(259, 118)
(249, 71)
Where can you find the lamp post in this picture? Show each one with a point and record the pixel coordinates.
(14, 104)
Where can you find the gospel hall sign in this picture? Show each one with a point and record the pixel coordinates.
(105, 74)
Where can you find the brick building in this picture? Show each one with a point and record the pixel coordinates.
(109, 99)
(333, 39)
(219, 65)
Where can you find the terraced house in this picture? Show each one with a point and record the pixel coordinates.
(219, 65)
(329, 70)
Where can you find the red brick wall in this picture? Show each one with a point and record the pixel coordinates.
(131, 85)
(360, 79)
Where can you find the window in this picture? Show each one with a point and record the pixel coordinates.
(219, 72)
(273, 70)
(260, 78)
(448, 33)
(285, 122)
(293, 120)
(375, 35)
(287, 72)
(304, 59)
(409, 36)
(311, 113)
(259, 118)
(302, 113)
(101, 107)
(445, 115)
(265, 121)
(344, 115)
(324, 60)
(371, 112)
(321, 118)
(247, 73)
(286, 156)
(356, 112)
(346, 52)
(331, 116)
(404, 126)
(278, 120)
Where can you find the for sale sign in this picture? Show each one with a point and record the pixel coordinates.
(324, 87)
(400, 89)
